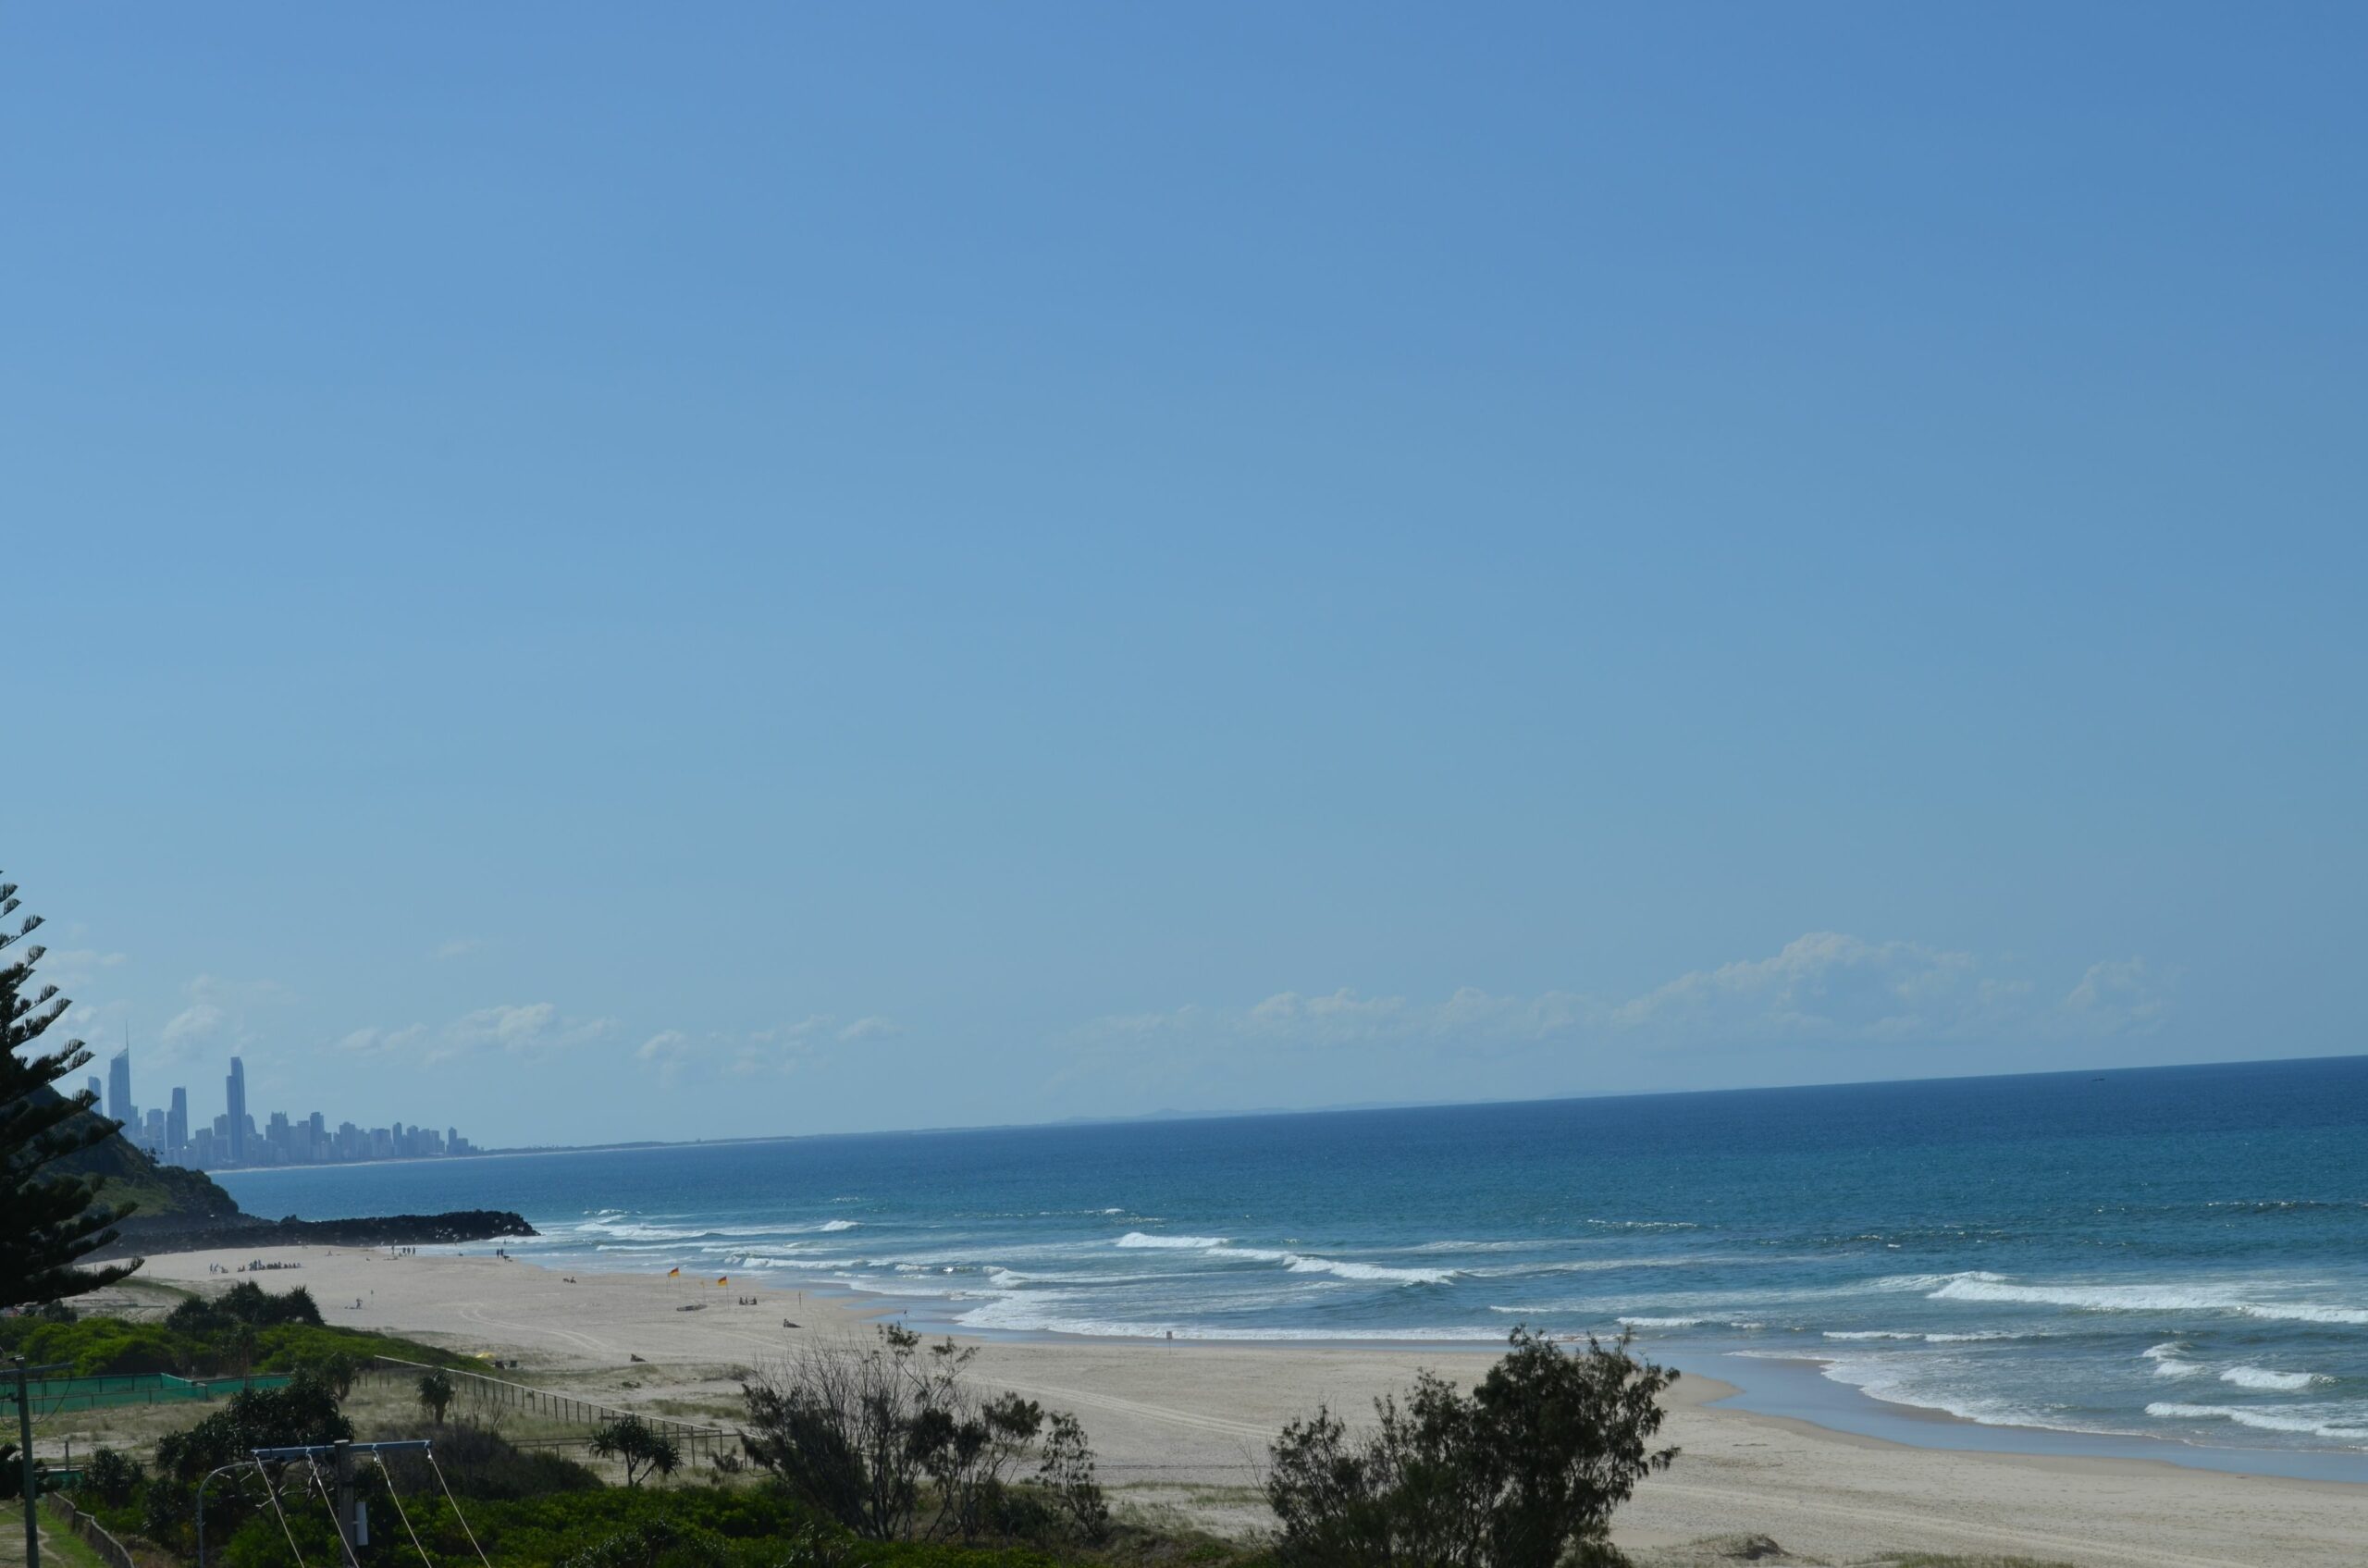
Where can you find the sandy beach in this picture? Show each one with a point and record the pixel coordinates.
(1184, 1427)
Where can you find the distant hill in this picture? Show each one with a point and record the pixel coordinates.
(180, 1210)
(131, 1175)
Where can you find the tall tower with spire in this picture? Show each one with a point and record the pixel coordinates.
(235, 1091)
(120, 1106)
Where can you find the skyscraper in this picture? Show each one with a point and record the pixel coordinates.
(119, 1088)
(235, 1089)
(176, 1122)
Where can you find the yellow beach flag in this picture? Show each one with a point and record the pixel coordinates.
(674, 1273)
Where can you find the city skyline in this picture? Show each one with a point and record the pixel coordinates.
(232, 1141)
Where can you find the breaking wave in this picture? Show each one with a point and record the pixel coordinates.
(2339, 1424)
(1979, 1287)
(2262, 1378)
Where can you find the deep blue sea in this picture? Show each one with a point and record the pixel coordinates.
(2178, 1253)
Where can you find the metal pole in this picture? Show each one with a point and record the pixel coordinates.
(200, 1506)
(344, 1452)
(25, 1436)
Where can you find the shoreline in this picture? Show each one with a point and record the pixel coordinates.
(1852, 1412)
(1181, 1428)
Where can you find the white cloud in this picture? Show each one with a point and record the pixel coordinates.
(1830, 987)
(779, 1049)
(217, 1014)
(534, 1029)
(804, 1030)
(372, 1041)
(671, 1051)
(199, 1023)
(1824, 988)
(2119, 996)
(664, 1048)
(456, 947)
(67, 967)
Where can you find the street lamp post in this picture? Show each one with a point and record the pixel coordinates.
(200, 1502)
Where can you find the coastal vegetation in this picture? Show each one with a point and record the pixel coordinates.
(639, 1447)
(247, 1331)
(893, 1440)
(1523, 1472)
(54, 1216)
(436, 1391)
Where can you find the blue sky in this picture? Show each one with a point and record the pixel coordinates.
(594, 574)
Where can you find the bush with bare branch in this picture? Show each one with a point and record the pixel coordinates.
(894, 1441)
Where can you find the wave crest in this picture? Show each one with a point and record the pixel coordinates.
(1979, 1287)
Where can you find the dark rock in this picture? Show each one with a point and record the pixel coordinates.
(185, 1234)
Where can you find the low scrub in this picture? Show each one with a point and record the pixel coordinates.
(247, 1331)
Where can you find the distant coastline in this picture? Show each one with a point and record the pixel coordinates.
(2067, 1075)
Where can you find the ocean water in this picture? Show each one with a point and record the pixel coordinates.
(2175, 1253)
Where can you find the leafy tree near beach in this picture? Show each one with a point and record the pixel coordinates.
(1068, 1473)
(246, 1302)
(111, 1478)
(436, 1392)
(1522, 1473)
(893, 1441)
(642, 1448)
(304, 1411)
(49, 1219)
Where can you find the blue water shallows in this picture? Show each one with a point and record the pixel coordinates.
(2173, 1253)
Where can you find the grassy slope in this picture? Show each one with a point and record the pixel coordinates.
(129, 1175)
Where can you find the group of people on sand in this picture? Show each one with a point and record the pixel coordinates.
(257, 1266)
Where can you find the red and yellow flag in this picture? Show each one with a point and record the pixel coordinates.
(674, 1273)
(722, 1279)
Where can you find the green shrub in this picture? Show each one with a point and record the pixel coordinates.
(199, 1338)
(482, 1465)
(1522, 1472)
(109, 1479)
(641, 1448)
(606, 1527)
(305, 1412)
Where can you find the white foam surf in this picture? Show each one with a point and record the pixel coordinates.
(1992, 1288)
(1297, 1263)
(2338, 1423)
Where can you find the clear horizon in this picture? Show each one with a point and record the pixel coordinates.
(771, 573)
(1246, 1113)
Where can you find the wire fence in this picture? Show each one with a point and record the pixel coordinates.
(53, 1395)
(698, 1443)
(91, 1533)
